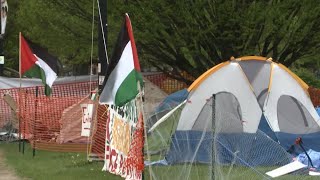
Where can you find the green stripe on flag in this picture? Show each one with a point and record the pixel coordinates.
(36, 72)
(128, 88)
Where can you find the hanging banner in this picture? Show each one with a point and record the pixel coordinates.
(87, 115)
(4, 12)
(124, 142)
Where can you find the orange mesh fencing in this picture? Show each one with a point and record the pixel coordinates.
(6, 113)
(136, 154)
(50, 123)
(315, 96)
(98, 135)
(166, 83)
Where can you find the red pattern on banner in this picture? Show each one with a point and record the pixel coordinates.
(130, 167)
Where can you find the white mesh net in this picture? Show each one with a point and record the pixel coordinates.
(228, 153)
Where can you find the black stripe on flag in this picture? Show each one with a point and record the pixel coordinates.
(43, 54)
(122, 41)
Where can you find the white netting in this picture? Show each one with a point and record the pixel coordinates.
(188, 154)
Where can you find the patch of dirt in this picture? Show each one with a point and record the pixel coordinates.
(5, 172)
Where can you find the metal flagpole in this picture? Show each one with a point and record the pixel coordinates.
(20, 93)
(213, 135)
(1, 41)
(34, 123)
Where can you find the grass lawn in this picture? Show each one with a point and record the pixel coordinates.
(53, 165)
(68, 166)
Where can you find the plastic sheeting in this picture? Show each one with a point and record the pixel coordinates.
(172, 100)
(8, 83)
(314, 156)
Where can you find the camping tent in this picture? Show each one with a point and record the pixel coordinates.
(258, 104)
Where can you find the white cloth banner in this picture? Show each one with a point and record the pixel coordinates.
(4, 12)
(120, 128)
(87, 115)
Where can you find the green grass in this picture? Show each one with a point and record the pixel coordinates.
(53, 165)
(68, 166)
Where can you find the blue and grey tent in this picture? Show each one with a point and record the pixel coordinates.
(246, 111)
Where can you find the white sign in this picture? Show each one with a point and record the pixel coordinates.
(1, 59)
(101, 79)
(87, 115)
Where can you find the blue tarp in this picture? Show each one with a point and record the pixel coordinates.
(314, 156)
(173, 100)
(264, 127)
(248, 149)
(309, 141)
(254, 149)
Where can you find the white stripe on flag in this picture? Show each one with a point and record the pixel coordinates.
(51, 76)
(117, 76)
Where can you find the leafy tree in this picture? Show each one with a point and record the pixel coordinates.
(192, 36)
(175, 36)
(308, 69)
(64, 27)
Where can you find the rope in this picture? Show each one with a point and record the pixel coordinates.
(91, 73)
(102, 32)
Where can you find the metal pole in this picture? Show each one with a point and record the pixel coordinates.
(34, 124)
(24, 124)
(213, 135)
(1, 43)
(102, 42)
(20, 96)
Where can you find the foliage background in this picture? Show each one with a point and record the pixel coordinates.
(174, 36)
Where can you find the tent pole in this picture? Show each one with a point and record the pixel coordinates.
(213, 136)
(299, 142)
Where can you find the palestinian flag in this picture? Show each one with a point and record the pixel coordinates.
(123, 73)
(36, 62)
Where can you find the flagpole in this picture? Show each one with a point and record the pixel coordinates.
(19, 91)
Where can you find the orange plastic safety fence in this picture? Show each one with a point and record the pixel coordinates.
(50, 123)
(136, 155)
(315, 96)
(7, 114)
(166, 83)
(98, 138)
